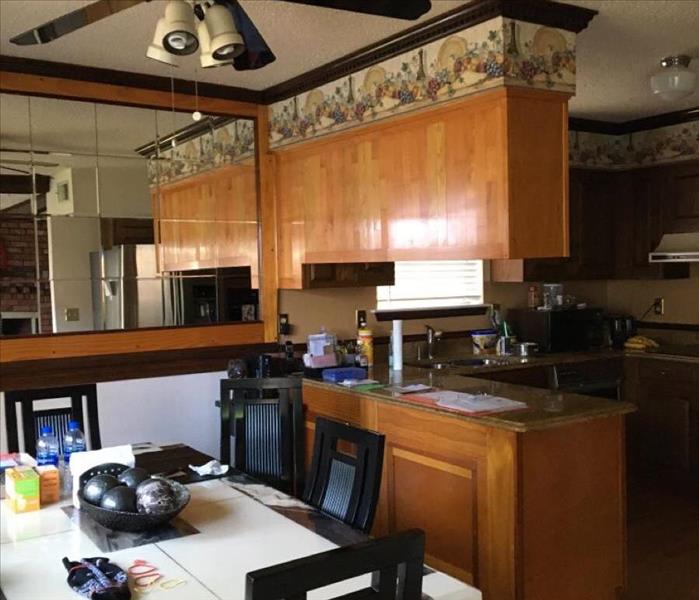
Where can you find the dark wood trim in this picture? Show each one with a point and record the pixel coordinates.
(544, 12)
(16, 64)
(24, 184)
(34, 374)
(430, 313)
(667, 326)
(664, 120)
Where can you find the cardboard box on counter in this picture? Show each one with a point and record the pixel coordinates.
(22, 489)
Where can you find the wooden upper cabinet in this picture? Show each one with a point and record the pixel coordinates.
(480, 177)
(208, 220)
(681, 198)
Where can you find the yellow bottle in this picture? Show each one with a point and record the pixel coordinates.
(365, 341)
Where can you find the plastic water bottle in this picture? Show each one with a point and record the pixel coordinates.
(47, 447)
(73, 441)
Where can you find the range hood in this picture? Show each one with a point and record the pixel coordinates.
(676, 247)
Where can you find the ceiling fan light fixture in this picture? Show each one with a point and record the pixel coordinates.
(156, 51)
(205, 57)
(675, 80)
(225, 43)
(180, 37)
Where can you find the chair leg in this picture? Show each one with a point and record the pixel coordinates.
(225, 451)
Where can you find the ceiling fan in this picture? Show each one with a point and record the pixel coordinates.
(220, 28)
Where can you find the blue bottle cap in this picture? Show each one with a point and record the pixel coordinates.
(46, 430)
(73, 425)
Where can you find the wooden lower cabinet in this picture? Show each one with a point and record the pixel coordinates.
(536, 515)
(664, 432)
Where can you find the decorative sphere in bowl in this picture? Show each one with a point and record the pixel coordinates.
(155, 496)
(121, 498)
(133, 476)
(97, 486)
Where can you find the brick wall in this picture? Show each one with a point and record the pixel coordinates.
(18, 285)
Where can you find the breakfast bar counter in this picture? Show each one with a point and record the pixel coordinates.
(527, 504)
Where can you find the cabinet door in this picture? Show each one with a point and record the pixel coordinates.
(638, 223)
(663, 426)
(682, 198)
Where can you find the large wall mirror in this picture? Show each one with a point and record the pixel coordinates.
(115, 217)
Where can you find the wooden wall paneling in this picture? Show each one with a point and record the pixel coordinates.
(136, 340)
(573, 513)
(267, 216)
(476, 154)
(537, 155)
(452, 191)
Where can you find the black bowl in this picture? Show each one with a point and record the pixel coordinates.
(129, 521)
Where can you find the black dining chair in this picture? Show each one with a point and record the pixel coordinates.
(265, 416)
(34, 416)
(342, 485)
(395, 563)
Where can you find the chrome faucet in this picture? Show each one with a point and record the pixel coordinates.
(432, 338)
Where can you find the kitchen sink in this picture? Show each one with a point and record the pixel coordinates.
(457, 362)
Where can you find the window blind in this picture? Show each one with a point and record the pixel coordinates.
(433, 283)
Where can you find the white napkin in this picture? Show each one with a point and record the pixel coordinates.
(84, 461)
(213, 467)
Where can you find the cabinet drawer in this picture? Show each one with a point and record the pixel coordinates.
(673, 371)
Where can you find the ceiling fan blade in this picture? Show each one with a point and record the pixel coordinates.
(43, 34)
(257, 53)
(396, 9)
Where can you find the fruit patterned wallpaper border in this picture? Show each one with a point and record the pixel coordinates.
(230, 143)
(494, 53)
(656, 146)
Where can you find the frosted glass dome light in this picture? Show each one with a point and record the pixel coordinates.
(675, 80)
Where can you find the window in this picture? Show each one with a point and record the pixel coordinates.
(433, 283)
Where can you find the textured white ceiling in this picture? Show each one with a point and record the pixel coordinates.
(621, 49)
(616, 54)
(302, 38)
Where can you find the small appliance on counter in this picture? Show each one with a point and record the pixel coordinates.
(560, 329)
(621, 328)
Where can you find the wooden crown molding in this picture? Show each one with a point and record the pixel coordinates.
(644, 124)
(44, 68)
(544, 12)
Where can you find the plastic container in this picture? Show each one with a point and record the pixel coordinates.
(47, 447)
(365, 343)
(73, 441)
(484, 341)
(344, 373)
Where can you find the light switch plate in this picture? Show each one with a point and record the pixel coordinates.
(72, 314)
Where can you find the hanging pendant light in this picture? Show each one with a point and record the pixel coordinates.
(675, 80)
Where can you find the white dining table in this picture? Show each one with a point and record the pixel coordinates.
(237, 533)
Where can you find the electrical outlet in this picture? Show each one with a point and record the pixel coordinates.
(360, 318)
(284, 326)
(72, 314)
(659, 306)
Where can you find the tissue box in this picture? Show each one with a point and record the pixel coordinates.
(49, 484)
(22, 489)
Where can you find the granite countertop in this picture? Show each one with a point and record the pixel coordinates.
(545, 409)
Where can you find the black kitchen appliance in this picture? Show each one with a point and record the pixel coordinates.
(559, 329)
(621, 328)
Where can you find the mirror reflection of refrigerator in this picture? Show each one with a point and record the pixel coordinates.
(127, 291)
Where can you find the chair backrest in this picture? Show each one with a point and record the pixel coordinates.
(395, 562)
(341, 485)
(33, 418)
(266, 417)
